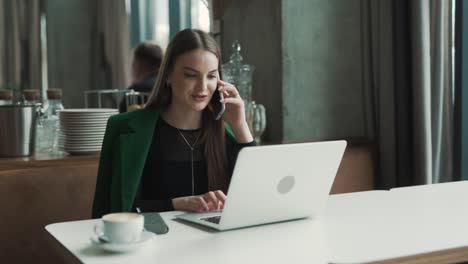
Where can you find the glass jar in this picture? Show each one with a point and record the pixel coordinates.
(48, 127)
(6, 97)
(31, 98)
(54, 96)
(256, 119)
(238, 73)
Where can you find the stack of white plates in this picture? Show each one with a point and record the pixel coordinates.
(83, 129)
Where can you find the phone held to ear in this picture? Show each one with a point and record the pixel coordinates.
(218, 107)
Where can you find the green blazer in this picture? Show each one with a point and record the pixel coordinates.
(124, 150)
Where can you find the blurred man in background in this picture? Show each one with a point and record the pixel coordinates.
(147, 57)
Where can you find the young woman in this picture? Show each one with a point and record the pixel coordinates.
(173, 154)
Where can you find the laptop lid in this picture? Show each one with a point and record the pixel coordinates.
(279, 182)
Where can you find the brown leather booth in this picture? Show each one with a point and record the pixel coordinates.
(33, 198)
(34, 194)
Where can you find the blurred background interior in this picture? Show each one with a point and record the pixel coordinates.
(381, 72)
(386, 75)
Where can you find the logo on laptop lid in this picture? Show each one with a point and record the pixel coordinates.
(286, 184)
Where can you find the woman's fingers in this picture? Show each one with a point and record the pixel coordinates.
(229, 90)
(233, 101)
(214, 200)
(220, 195)
(210, 197)
(210, 201)
(222, 83)
(201, 204)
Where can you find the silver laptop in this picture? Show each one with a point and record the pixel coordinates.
(276, 183)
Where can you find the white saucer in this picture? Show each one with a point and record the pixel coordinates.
(145, 239)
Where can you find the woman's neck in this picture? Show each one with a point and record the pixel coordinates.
(182, 119)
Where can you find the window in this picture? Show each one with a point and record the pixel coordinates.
(160, 20)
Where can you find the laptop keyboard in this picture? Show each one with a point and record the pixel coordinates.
(212, 219)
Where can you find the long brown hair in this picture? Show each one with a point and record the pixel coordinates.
(213, 131)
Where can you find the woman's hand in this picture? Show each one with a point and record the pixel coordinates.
(235, 112)
(210, 201)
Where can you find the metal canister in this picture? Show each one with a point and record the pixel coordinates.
(17, 130)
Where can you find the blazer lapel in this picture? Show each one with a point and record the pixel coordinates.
(134, 146)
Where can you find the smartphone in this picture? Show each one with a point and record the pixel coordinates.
(218, 107)
(154, 223)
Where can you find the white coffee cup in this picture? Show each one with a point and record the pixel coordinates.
(120, 227)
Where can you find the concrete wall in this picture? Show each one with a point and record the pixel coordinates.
(322, 69)
(308, 59)
(257, 25)
(69, 32)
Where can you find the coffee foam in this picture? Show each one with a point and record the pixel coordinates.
(121, 217)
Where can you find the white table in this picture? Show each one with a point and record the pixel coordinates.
(415, 224)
